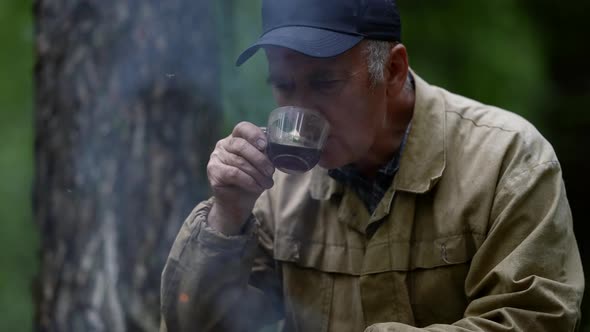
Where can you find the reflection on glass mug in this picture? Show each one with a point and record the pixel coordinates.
(296, 137)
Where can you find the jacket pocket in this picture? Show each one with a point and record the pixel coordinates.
(410, 282)
(414, 282)
(436, 279)
(391, 255)
(450, 250)
(320, 255)
(308, 296)
(378, 257)
(320, 267)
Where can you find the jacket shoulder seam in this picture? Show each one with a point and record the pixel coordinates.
(480, 124)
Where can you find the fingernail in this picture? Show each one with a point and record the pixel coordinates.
(269, 170)
(261, 143)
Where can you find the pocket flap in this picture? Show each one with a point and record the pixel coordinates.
(320, 256)
(378, 257)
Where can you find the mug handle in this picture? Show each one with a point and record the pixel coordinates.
(265, 131)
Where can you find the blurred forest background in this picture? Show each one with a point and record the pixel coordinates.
(528, 56)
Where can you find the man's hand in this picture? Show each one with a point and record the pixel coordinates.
(238, 171)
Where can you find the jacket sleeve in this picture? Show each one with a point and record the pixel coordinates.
(527, 275)
(212, 282)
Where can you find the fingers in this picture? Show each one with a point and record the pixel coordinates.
(222, 176)
(249, 156)
(241, 155)
(240, 161)
(251, 133)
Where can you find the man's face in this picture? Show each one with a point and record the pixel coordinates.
(339, 88)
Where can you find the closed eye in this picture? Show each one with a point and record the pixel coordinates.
(327, 86)
(280, 85)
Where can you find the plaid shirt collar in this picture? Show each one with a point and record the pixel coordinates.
(370, 191)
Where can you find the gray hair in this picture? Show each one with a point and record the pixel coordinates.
(377, 53)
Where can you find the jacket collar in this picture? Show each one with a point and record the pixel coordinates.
(423, 160)
(322, 185)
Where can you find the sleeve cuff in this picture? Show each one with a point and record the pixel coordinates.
(212, 238)
(206, 236)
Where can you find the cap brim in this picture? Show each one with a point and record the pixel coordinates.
(313, 42)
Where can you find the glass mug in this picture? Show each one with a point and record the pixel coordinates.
(296, 137)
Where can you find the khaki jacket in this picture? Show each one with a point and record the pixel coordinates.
(475, 234)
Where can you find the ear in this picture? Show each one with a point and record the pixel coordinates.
(397, 69)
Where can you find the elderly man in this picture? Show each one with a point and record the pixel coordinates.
(428, 211)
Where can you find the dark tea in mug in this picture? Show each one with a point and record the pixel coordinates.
(296, 137)
(293, 159)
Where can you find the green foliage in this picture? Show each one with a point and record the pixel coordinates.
(246, 96)
(18, 238)
(485, 50)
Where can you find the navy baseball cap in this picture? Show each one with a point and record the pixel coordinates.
(325, 28)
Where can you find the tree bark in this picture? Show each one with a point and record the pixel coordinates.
(127, 112)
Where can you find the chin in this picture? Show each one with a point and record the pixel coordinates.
(332, 155)
(329, 162)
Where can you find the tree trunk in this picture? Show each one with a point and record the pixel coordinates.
(127, 112)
